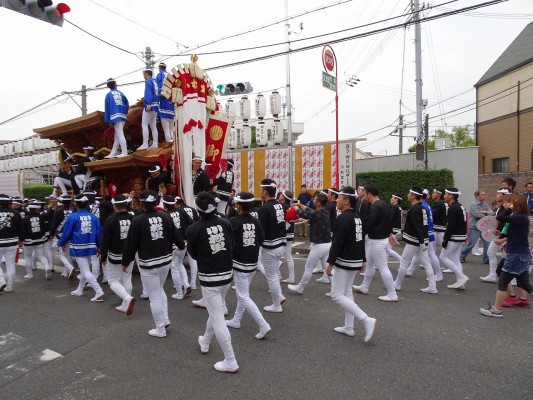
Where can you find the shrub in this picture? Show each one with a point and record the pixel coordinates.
(38, 192)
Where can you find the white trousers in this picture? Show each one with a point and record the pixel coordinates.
(221, 206)
(153, 280)
(95, 265)
(433, 259)
(493, 259)
(149, 119)
(451, 258)
(168, 128)
(80, 181)
(193, 265)
(376, 258)
(216, 322)
(29, 252)
(242, 282)
(392, 253)
(178, 272)
(64, 256)
(62, 183)
(407, 256)
(271, 259)
(10, 255)
(342, 294)
(86, 276)
(288, 259)
(48, 253)
(119, 139)
(120, 281)
(318, 253)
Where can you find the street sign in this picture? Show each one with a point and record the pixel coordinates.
(328, 59)
(329, 81)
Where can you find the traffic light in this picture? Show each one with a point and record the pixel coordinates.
(232, 89)
(44, 10)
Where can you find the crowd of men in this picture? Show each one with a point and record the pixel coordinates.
(349, 230)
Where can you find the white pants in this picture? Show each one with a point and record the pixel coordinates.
(168, 128)
(149, 119)
(10, 255)
(493, 259)
(288, 259)
(407, 256)
(450, 258)
(80, 181)
(29, 252)
(120, 281)
(392, 253)
(342, 294)
(271, 259)
(433, 260)
(48, 253)
(318, 253)
(95, 266)
(216, 322)
(64, 256)
(62, 183)
(221, 206)
(119, 139)
(242, 282)
(193, 265)
(376, 258)
(153, 280)
(84, 264)
(178, 272)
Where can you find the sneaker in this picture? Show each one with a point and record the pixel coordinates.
(429, 290)
(370, 324)
(273, 309)
(121, 308)
(224, 366)
(317, 270)
(167, 324)
(153, 146)
(295, 289)
(518, 302)
(288, 280)
(447, 271)
(193, 286)
(460, 282)
(129, 306)
(98, 298)
(144, 296)
(345, 330)
(28, 276)
(233, 324)
(8, 289)
(327, 294)
(360, 289)
(282, 299)
(76, 293)
(204, 348)
(110, 155)
(263, 332)
(158, 332)
(439, 278)
(490, 312)
(199, 303)
(142, 147)
(122, 155)
(177, 296)
(104, 280)
(509, 301)
(489, 278)
(323, 279)
(476, 253)
(389, 297)
(234, 287)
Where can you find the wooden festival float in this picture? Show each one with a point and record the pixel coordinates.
(199, 130)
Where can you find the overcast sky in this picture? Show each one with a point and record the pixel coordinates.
(40, 61)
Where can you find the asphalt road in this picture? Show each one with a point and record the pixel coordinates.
(55, 346)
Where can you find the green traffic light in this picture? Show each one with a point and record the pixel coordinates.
(221, 89)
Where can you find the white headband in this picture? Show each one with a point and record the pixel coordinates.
(438, 191)
(398, 197)
(5, 199)
(333, 191)
(425, 191)
(458, 193)
(17, 201)
(149, 199)
(169, 202)
(210, 209)
(83, 199)
(287, 197)
(270, 185)
(113, 201)
(34, 206)
(239, 199)
(154, 170)
(412, 191)
(197, 158)
(348, 194)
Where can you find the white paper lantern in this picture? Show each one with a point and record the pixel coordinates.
(246, 136)
(244, 108)
(261, 134)
(229, 109)
(260, 106)
(232, 138)
(275, 104)
(277, 132)
(27, 145)
(2, 165)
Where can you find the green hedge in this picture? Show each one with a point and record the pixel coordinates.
(38, 192)
(389, 182)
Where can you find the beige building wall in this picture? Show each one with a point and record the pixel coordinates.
(499, 97)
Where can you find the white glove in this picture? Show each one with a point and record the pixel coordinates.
(423, 247)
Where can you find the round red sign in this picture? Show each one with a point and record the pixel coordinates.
(328, 59)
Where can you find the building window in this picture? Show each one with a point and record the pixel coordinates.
(500, 164)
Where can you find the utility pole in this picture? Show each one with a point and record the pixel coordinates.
(400, 132)
(418, 68)
(288, 96)
(83, 100)
(426, 139)
(149, 58)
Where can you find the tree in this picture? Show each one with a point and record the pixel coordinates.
(461, 136)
